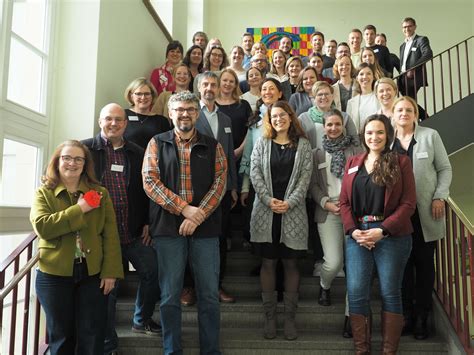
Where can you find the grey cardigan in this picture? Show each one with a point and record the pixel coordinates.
(294, 224)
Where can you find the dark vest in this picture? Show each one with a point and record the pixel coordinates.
(203, 157)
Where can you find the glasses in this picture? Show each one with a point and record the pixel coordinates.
(218, 55)
(259, 60)
(77, 160)
(109, 119)
(142, 94)
(323, 94)
(282, 116)
(189, 110)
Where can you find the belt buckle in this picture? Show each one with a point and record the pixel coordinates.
(366, 219)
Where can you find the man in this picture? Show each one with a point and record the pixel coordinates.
(413, 51)
(259, 61)
(331, 47)
(381, 40)
(247, 43)
(184, 175)
(355, 40)
(117, 164)
(342, 49)
(286, 45)
(381, 52)
(317, 42)
(217, 124)
(200, 39)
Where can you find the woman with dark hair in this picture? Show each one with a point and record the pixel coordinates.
(79, 247)
(161, 77)
(194, 60)
(143, 123)
(254, 78)
(280, 172)
(316, 61)
(365, 103)
(214, 60)
(433, 176)
(377, 200)
(302, 99)
(345, 87)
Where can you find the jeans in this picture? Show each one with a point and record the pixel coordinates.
(389, 257)
(173, 253)
(143, 259)
(75, 308)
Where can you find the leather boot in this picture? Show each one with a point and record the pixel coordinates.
(361, 333)
(392, 325)
(290, 300)
(269, 310)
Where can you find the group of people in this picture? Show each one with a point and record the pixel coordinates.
(306, 155)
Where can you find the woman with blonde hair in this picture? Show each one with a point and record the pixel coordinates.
(236, 57)
(367, 55)
(386, 91)
(294, 66)
(345, 87)
(278, 66)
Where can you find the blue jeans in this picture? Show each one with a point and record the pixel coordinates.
(173, 253)
(389, 257)
(75, 310)
(143, 259)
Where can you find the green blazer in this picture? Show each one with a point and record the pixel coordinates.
(57, 220)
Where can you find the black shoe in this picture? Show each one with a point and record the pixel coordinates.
(421, 332)
(149, 327)
(324, 297)
(347, 331)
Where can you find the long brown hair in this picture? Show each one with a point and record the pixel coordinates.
(386, 168)
(295, 132)
(51, 178)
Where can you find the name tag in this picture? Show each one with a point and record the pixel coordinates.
(322, 165)
(376, 50)
(163, 78)
(133, 118)
(227, 130)
(422, 155)
(118, 168)
(259, 123)
(413, 49)
(353, 170)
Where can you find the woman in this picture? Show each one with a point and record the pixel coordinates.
(294, 65)
(345, 87)
(386, 91)
(316, 61)
(214, 60)
(328, 169)
(312, 121)
(80, 257)
(213, 42)
(236, 59)
(377, 200)
(254, 78)
(280, 173)
(183, 78)
(433, 174)
(161, 77)
(365, 103)
(367, 55)
(258, 47)
(277, 68)
(302, 99)
(143, 124)
(194, 60)
(229, 102)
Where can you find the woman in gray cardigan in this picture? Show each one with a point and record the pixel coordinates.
(433, 174)
(280, 172)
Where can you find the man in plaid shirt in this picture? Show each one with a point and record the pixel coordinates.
(184, 175)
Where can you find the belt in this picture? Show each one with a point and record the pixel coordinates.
(79, 260)
(365, 219)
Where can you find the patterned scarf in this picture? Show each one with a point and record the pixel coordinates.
(336, 148)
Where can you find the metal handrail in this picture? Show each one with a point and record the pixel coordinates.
(18, 276)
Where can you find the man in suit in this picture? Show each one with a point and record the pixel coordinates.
(413, 51)
(218, 125)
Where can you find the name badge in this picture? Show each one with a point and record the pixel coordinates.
(227, 130)
(118, 168)
(422, 155)
(353, 170)
(163, 78)
(376, 50)
(413, 49)
(259, 123)
(322, 165)
(133, 118)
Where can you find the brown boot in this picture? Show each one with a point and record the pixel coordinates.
(361, 333)
(269, 310)
(290, 300)
(392, 325)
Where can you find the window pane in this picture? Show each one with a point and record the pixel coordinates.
(25, 76)
(28, 21)
(18, 180)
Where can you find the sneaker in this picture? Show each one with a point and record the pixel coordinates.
(149, 327)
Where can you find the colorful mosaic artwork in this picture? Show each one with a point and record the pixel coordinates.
(271, 37)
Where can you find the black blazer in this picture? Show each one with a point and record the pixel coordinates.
(420, 52)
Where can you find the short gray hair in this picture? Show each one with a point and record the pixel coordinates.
(184, 96)
(207, 75)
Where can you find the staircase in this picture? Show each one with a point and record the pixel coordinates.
(319, 328)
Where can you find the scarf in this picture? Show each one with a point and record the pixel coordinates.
(316, 115)
(336, 148)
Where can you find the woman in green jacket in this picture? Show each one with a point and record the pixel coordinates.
(79, 248)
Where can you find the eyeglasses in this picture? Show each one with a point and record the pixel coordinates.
(189, 110)
(77, 160)
(142, 94)
(218, 55)
(259, 60)
(109, 119)
(282, 116)
(324, 94)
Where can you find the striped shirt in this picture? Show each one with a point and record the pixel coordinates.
(170, 201)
